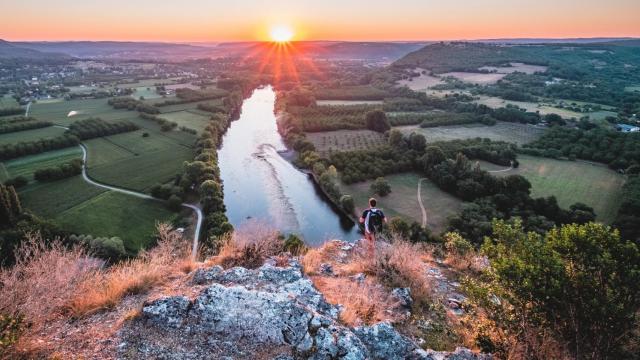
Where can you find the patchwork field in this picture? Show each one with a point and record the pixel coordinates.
(31, 135)
(135, 162)
(403, 200)
(475, 78)
(502, 131)
(27, 165)
(82, 208)
(345, 140)
(570, 182)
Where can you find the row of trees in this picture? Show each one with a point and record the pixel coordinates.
(10, 208)
(96, 127)
(616, 149)
(628, 217)
(65, 170)
(186, 95)
(11, 111)
(131, 104)
(11, 151)
(165, 125)
(21, 126)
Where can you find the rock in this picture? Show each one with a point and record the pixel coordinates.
(460, 353)
(206, 276)
(403, 295)
(359, 278)
(168, 312)
(384, 342)
(326, 269)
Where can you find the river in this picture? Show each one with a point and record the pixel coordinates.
(260, 185)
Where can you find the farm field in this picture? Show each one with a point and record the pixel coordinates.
(345, 140)
(571, 182)
(475, 78)
(135, 162)
(58, 111)
(349, 102)
(516, 66)
(27, 165)
(7, 101)
(502, 131)
(422, 82)
(31, 135)
(188, 118)
(145, 92)
(112, 214)
(496, 102)
(357, 92)
(403, 200)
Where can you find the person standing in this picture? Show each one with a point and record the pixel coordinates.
(372, 220)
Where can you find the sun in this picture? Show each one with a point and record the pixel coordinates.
(281, 33)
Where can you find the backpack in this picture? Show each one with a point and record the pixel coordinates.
(375, 220)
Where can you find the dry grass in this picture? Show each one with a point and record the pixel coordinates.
(105, 289)
(50, 281)
(363, 303)
(249, 246)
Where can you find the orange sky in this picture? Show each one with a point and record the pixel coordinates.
(213, 20)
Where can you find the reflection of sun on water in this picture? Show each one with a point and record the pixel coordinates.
(281, 33)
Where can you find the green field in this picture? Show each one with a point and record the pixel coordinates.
(146, 92)
(135, 162)
(345, 140)
(188, 119)
(58, 111)
(31, 135)
(403, 201)
(571, 182)
(7, 101)
(502, 131)
(82, 208)
(112, 214)
(27, 165)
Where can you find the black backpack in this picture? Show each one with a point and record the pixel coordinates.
(375, 220)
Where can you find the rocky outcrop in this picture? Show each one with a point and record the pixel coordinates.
(269, 312)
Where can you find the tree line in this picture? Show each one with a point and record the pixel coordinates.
(131, 104)
(62, 171)
(21, 126)
(165, 125)
(96, 127)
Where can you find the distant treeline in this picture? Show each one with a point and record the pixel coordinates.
(11, 151)
(186, 95)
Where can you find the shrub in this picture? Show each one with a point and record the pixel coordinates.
(249, 246)
(10, 328)
(17, 182)
(347, 204)
(381, 187)
(174, 203)
(377, 121)
(294, 244)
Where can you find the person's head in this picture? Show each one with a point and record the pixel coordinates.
(372, 202)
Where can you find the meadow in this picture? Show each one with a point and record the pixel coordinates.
(31, 135)
(188, 118)
(135, 162)
(345, 140)
(547, 107)
(403, 201)
(422, 82)
(58, 111)
(7, 101)
(502, 131)
(27, 165)
(571, 182)
(475, 78)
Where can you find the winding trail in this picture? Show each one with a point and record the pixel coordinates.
(424, 211)
(502, 170)
(26, 111)
(198, 211)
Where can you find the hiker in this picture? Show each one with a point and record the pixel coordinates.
(372, 219)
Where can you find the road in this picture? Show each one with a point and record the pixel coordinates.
(26, 111)
(424, 211)
(198, 211)
(502, 170)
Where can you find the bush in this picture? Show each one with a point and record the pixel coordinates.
(294, 244)
(174, 203)
(17, 182)
(347, 204)
(381, 187)
(10, 328)
(377, 121)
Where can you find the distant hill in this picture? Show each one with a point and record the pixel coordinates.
(118, 49)
(10, 50)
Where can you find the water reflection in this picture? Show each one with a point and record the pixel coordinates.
(260, 185)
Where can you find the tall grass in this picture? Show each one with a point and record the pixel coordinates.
(249, 246)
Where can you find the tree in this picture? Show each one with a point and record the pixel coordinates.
(581, 281)
(377, 121)
(395, 137)
(174, 202)
(417, 142)
(347, 204)
(381, 187)
(433, 156)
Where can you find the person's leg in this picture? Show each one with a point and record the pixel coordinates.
(371, 246)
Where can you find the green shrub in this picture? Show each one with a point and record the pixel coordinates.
(10, 327)
(381, 187)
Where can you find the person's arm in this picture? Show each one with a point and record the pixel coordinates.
(384, 218)
(364, 214)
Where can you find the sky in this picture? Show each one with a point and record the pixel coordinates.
(355, 20)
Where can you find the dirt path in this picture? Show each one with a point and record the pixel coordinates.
(502, 170)
(195, 208)
(424, 211)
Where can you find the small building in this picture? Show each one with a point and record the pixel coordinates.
(627, 128)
